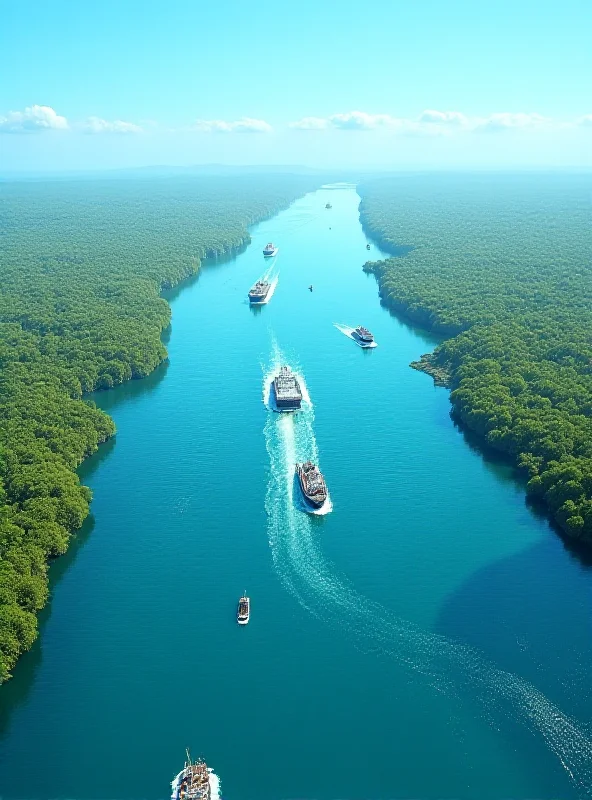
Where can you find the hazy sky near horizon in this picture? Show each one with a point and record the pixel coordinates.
(383, 83)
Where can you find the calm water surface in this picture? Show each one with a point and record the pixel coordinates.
(424, 639)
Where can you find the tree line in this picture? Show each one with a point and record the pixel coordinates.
(82, 265)
(502, 267)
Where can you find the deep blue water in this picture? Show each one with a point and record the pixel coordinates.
(424, 639)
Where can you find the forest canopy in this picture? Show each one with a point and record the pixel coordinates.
(502, 266)
(82, 265)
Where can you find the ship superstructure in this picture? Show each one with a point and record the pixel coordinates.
(312, 483)
(288, 395)
(363, 335)
(193, 782)
(258, 293)
(243, 613)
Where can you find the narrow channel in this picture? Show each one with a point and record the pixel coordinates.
(427, 638)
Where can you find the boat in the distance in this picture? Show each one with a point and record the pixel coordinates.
(288, 395)
(310, 288)
(270, 249)
(312, 483)
(258, 293)
(363, 335)
(367, 247)
(243, 613)
(193, 782)
(328, 205)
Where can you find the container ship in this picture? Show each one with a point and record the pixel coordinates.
(193, 782)
(363, 335)
(258, 293)
(312, 483)
(243, 613)
(288, 396)
(270, 250)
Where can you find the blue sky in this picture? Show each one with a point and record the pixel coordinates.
(443, 84)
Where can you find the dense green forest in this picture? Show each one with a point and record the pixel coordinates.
(81, 268)
(502, 266)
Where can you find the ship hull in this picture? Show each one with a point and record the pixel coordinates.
(361, 340)
(270, 253)
(258, 300)
(281, 404)
(313, 501)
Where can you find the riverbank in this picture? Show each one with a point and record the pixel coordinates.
(82, 311)
(516, 330)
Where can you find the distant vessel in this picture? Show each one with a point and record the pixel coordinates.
(270, 249)
(288, 396)
(328, 205)
(367, 247)
(363, 336)
(193, 782)
(244, 610)
(258, 293)
(310, 287)
(312, 483)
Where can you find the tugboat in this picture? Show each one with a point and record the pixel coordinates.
(312, 483)
(193, 782)
(363, 335)
(270, 250)
(244, 610)
(368, 246)
(258, 293)
(288, 396)
(328, 205)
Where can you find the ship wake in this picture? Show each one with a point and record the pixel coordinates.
(348, 331)
(445, 665)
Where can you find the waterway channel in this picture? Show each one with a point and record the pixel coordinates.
(427, 638)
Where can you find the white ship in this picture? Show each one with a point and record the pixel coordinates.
(194, 782)
(270, 250)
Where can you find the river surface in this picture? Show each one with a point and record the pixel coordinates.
(427, 638)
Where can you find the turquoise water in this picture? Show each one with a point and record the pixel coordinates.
(428, 638)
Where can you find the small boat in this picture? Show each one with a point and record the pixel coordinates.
(312, 483)
(310, 288)
(258, 293)
(363, 336)
(244, 610)
(193, 782)
(288, 395)
(328, 205)
(270, 250)
(367, 247)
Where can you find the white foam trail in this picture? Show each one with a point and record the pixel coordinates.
(348, 331)
(447, 666)
(215, 786)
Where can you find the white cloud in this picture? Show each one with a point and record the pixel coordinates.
(442, 117)
(360, 121)
(349, 121)
(32, 120)
(244, 125)
(585, 120)
(504, 121)
(310, 124)
(98, 125)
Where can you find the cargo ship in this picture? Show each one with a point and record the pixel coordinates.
(363, 335)
(193, 782)
(312, 483)
(258, 293)
(243, 613)
(288, 396)
(270, 250)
